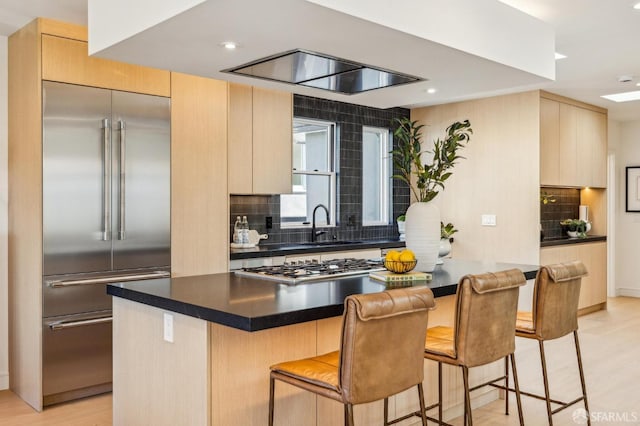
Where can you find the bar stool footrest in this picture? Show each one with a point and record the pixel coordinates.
(562, 404)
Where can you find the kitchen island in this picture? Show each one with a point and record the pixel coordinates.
(196, 350)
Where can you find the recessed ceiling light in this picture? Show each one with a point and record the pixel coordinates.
(636, 6)
(623, 97)
(560, 56)
(229, 45)
(431, 90)
(637, 84)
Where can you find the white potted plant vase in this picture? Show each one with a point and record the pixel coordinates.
(423, 234)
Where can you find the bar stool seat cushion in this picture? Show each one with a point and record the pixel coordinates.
(440, 341)
(320, 370)
(524, 323)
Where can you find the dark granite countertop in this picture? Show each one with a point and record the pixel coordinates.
(286, 249)
(567, 240)
(253, 304)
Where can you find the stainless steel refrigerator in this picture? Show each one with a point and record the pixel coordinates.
(106, 218)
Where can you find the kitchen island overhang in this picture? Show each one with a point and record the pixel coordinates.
(252, 304)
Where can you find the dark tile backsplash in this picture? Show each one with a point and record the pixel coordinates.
(349, 119)
(566, 206)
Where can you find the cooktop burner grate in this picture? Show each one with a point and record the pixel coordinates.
(300, 271)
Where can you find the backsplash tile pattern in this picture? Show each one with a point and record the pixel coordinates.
(566, 207)
(349, 119)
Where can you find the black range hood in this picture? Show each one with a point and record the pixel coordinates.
(322, 72)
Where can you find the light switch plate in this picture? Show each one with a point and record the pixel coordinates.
(168, 328)
(488, 220)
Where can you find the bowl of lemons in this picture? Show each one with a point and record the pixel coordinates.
(400, 262)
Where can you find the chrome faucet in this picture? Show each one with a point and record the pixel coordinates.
(315, 233)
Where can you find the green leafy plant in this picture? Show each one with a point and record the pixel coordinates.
(407, 157)
(575, 225)
(446, 231)
(401, 218)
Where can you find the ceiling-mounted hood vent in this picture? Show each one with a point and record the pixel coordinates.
(322, 71)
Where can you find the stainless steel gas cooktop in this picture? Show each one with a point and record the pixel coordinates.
(301, 271)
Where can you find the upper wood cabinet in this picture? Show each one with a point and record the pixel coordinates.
(67, 61)
(259, 140)
(573, 143)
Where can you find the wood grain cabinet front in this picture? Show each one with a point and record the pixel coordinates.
(573, 143)
(259, 140)
(593, 291)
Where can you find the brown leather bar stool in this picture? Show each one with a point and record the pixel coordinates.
(483, 332)
(380, 353)
(554, 315)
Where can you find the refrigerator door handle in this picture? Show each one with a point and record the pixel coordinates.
(107, 280)
(61, 325)
(122, 201)
(106, 180)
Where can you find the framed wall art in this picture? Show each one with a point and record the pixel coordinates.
(632, 203)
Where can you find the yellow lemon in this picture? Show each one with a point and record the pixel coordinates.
(392, 255)
(407, 256)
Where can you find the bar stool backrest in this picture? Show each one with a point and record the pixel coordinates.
(486, 308)
(555, 299)
(382, 348)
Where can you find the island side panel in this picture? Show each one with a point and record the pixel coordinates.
(240, 364)
(156, 382)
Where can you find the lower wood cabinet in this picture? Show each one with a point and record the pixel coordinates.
(593, 293)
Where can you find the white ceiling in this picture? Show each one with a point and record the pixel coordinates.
(599, 38)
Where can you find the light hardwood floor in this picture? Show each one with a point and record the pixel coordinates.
(610, 347)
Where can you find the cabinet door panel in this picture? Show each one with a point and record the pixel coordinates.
(67, 61)
(549, 141)
(594, 256)
(272, 141)
(568, 146)
(240, 139)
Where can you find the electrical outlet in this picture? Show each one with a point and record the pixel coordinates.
(268, 222)
(168, 328)
(488, 220)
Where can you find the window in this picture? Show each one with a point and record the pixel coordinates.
(376, 166)
(314, 179)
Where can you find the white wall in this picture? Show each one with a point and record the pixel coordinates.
(627, 234)
(4, 339)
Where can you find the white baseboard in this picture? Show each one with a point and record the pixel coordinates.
(4, 381)
(628, 292)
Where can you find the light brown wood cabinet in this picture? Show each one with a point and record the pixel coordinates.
(593, 292)
(573, 143)
(199, 200)
(259, 140)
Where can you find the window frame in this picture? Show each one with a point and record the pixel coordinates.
(330, 173)
(386, 168)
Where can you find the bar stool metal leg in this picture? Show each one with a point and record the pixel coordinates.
(467, 397)
(422, 405)
(271, 391)
(546, 382)
(439, 393)
(386, 412)
(517, 386)
(506, 385)
(348, 415)
(582, 382)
